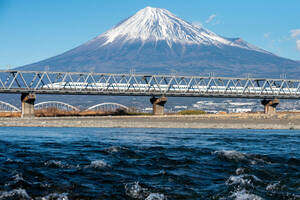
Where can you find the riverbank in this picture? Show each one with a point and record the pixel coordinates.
(226, 121)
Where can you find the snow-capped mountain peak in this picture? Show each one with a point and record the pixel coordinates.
(157, 24)
(154, 24)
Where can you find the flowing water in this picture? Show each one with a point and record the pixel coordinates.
(151, 164)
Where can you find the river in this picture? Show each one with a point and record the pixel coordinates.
(151, 164)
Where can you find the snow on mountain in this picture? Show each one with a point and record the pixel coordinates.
(156, 24)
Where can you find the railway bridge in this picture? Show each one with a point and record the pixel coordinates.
(157, 87)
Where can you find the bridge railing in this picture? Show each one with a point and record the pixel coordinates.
(12, 81)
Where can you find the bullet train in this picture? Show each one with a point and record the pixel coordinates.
(165, 88)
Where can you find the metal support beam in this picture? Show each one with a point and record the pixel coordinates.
(270, 106)
(158, 105)
(83, 83)
(27, 104)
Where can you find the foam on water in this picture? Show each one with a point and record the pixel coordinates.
(243, 180)
(55, 163)
(98, 164)
(245, 195)
(114, 149)
(238, 180)
(156, 196)
(237, 156)
(14, 194)
(55, 196)
(59, 164)
(230, 154)
(135, 190)
(9, 160)
(16, 179)
(239, 171)
(241, 183)
(273, 186)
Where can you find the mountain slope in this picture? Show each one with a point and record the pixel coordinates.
(156, 41)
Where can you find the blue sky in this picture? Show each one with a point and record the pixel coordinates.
(32, 30)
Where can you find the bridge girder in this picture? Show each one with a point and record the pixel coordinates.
(39, 82)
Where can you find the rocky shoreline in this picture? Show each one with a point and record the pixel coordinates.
(234, 121)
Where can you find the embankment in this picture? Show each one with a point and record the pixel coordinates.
(227, 121)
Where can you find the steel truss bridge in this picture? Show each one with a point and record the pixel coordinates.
(76, 83)
(7, 107)
(55, 104)
(106, 107)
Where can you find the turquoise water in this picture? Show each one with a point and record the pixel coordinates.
(106, 163)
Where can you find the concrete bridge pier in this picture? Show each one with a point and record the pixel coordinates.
(270, 105)
(158, 105)
(27, 104)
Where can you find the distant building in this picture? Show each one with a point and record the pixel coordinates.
(239, 110)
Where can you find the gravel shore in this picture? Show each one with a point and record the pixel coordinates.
(236, 121)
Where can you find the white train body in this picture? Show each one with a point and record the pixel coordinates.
(169, 88)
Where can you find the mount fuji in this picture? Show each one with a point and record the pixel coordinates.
(156, 41)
